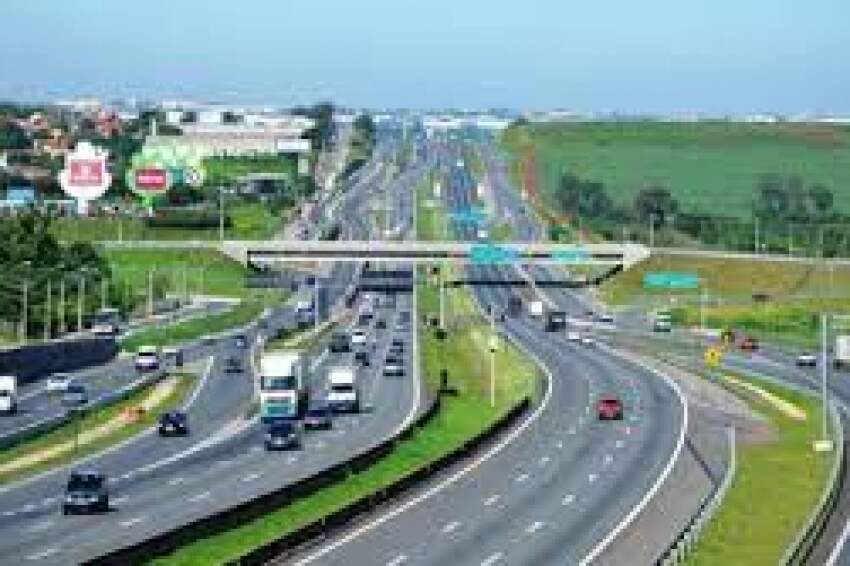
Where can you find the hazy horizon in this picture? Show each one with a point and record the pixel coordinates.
(659, 57)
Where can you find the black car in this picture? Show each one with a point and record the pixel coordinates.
(241, 341)
(381, 324)
(283, 436)
(318, 416)
(233, 364)
(340, 343)
(85, 492)
(394, 366)
(75, 395)
(397, 344)
(174, 423)
(362, 357)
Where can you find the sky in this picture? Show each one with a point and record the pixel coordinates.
(644, 56)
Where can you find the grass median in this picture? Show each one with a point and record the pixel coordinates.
(777, 485)
(460, 418)
(96, 430)
(166, 335)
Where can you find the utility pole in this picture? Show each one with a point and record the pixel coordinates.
(24, 311)
(442, 303)
(652, 230)
(316, 302)
(221, 214)
(150, 293)
(81, 292)
(62, 327)
(493, 348)
(104, 290)
(824, 374)
(47, 311)
(756, 234)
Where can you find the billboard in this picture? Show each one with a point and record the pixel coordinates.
(86, 176)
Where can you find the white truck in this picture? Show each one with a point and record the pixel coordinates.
(535, 308)
(283, 386)
(8, 394)
(842, 351)
(343, 395)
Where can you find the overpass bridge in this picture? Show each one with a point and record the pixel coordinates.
(269, 252)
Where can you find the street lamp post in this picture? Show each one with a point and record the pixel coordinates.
(47, 311)
(62, 327)
(24, 311)
(494, 345)
(150, 293)
(81, 293)
(221, 214)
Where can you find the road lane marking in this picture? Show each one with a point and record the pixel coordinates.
(591, 478)
(251, 477)
(400, 559)
(544, 460)
(200, 496)
(43, 554)
(568, 499)
(572, 430)
(491, 500)
(559, 445)
(449, 527)
(619, 444)
(130, 522)
(49, 500)
(492, 559)
(534, 527)
(28, 508)
(522, 478)
(607, 460)
(176, 481)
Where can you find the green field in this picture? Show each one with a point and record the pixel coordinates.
(226, 169)
(709, 166)
(777, 484)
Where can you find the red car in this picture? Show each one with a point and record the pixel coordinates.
(609, 409)
(749, 344)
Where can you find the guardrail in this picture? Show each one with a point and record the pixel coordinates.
(259, 506)
(686, 540)
(801, 548)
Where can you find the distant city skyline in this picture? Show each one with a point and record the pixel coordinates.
(661, 57)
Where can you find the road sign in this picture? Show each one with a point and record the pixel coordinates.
(713, 357)
(570, 256)
(670, 280)
(492, 254)
(85, 176)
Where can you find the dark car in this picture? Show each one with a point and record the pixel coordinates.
(241, 341)
(394, 366)
(75, 395)
(283, 436)
(397, 344)
(318, 417)
(381, 324)
(173, 423)
(233, 364)
(85, 492)
(340, 343)
(609, 409)
(362, 357)
(749, 344)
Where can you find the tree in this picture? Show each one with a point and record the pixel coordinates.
(655, 203)
(822, 199)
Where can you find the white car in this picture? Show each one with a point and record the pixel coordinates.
(358, 337)
(807, 360)
(58, 383)
(147, 358)
(587, 341)
(573, 336)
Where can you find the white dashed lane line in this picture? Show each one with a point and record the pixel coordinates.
(492, 559)
(251, 477)
(43, 554)
(544, 460)
(450, 527)
(120, 500)
(176, 481)
(591, 478)
(534, 527)
(568, 499)
(491, 500)
(522, 478)
(200, 496)
(131, 522)
(400, 559)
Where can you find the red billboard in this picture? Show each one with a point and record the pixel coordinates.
(86, 172)
(151, 179)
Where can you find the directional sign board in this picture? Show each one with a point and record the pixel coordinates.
(670, 280)
(713, 357)
(483, 254)
(570, 256)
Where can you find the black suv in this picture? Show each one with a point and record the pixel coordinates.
(362, 357)
(173, 423)
(233, 364)
(319, 416)
(283, 436)
(86, 492)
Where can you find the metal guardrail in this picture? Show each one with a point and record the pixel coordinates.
(686, 540)
(799, 551)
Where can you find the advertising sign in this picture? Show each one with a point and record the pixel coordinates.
(151, 180)
(85, 176)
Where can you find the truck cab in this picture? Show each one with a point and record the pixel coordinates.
(556, 321)
(8, 394)
(343, 396)
(283, 391)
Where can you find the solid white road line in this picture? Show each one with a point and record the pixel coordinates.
(492, 559)
(449, 527)
(200, 496)
(839, 546)
(522, 478)
(43, 554)
(251, 477)
(130, 522)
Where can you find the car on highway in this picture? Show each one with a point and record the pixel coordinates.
(609, 409)
(339, 343)
(86, 492)
(233, 364)
(393, 366)
(662, 326)
(173, 423)
(381, 324)
(749, 344)
(807, 360)
(358, 338)
(58, 383)
(319, 416)
(587, 340)
(147, 358)
(362, 357)
(241, 341)
(573, 336)
(283, 435)
(75, 395)
(605, 318)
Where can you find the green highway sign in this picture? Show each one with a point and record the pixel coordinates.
(491, 254)
(570, 256)
(670, 280)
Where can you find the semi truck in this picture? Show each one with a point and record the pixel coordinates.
(556, 321)
(8, 394)
(343, 395)
(283, 386)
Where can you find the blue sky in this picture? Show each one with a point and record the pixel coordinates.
(596, 55)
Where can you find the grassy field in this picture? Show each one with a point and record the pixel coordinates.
(249, 221)
(796, 292)
(703, 164)
(777, 485)
(92, 420)
(431, 221)
(225, 169)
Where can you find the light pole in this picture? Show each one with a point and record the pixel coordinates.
(221, 214)
(47, 311)
(150, 293)
(651, 230)
(81, 293)
(24, 310)
(62, 327)
(494, 346)
(316, 302)
(104, 289)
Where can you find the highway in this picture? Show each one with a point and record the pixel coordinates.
(159, 483)
(556, 486)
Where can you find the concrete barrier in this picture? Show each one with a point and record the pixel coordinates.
(37, 361)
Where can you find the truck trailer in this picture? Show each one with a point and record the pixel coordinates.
(283, 386)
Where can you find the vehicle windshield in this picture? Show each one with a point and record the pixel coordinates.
(279, 383)
(84, 482)
(342, 387)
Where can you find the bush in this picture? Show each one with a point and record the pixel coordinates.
(187, 218)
